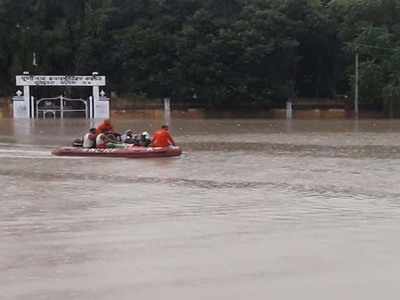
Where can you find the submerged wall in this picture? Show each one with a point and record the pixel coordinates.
(5, 107)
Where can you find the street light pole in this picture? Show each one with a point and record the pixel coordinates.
(356, 111)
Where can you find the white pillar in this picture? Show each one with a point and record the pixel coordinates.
(32, 107)
(61, 107)
(96, 97)
(167, 111)
(289, 110)
(101, 104)
(91, 108)
(27, 101)
(96, 93)
(19, 108)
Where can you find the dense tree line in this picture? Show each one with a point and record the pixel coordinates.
(220, 52)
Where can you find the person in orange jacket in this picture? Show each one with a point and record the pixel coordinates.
(104, 127)
(162, 138)
(108, 130)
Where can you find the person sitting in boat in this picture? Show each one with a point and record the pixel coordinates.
(102, 140)
(106, 127)
(145, 139)
(107, 140)
(129, 137)
(89, 139)
(162, 138)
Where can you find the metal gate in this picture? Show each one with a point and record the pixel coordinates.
(60, 107)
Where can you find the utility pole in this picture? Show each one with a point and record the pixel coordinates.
(356, 111)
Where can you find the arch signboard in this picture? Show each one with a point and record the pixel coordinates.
(23, 104)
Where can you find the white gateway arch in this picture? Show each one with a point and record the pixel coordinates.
(25, 106)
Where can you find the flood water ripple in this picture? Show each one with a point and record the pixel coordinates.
(253, 209)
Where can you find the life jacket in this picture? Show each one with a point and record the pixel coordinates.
(162, 138)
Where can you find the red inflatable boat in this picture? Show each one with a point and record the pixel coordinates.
(129, 152)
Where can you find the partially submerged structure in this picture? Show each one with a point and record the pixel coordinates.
(26, 106)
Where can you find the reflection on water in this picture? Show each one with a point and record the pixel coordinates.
(259, 208)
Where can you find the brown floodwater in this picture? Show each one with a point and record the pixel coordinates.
(253, 209)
